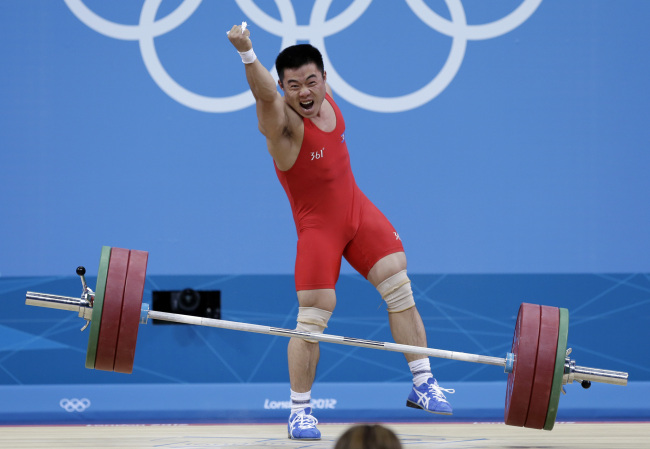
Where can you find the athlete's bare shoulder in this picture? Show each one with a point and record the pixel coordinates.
(284, 146)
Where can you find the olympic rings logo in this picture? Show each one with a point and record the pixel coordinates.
(74, 404)
(318, 29)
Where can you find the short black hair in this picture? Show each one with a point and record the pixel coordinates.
(297, 56)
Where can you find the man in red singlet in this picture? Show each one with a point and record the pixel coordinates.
(305, 135)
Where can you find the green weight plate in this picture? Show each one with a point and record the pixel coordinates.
(98, 304)
(560, 356)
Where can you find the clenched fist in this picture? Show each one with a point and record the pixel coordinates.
(239, 36)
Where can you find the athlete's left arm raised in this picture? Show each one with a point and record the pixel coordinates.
(271, 108)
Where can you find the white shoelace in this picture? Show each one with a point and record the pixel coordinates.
(304, 421)
(437, 391)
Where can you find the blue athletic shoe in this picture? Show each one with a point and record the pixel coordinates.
(430, 398)
(302, 426)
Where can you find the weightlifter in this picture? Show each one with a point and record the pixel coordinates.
(305, 135)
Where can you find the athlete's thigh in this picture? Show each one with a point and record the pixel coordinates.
(318, 260)
(375, 239)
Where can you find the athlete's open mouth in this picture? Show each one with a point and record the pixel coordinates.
(307, 104)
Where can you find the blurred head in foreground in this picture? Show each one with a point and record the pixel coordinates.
(368, 436)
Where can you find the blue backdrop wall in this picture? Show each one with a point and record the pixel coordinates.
(500, 137)
(507, 141)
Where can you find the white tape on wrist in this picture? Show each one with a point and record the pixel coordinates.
(247, 57)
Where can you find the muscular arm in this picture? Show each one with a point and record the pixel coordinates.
(273, 114)
(271, 109)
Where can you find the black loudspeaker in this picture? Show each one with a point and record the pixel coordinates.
(201, 303)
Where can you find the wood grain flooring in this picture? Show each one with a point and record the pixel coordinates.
(413, 436)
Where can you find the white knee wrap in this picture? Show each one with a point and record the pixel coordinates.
(396, 291)
(312, 319)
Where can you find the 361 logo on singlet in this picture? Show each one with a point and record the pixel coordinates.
(317, 154)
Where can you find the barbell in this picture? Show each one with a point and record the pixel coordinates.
(538, 365)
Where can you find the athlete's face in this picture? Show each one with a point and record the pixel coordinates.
(304, 89)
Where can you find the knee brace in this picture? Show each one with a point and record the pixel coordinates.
(312, 319)
(396, 291)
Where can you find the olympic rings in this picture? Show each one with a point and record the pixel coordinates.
(74, 404)
(318, 29)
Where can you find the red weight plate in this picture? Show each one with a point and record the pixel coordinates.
(110, 325)
(545, 367)
(131, 307)
(520, 380)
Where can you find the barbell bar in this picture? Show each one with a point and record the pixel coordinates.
(575, 373)
(85, 310)
(538, 365)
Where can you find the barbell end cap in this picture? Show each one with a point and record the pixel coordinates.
(144, 313)
(510, 363)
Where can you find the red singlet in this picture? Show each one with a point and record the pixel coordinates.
(333, 217)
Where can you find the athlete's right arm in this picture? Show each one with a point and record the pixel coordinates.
(271, 108)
